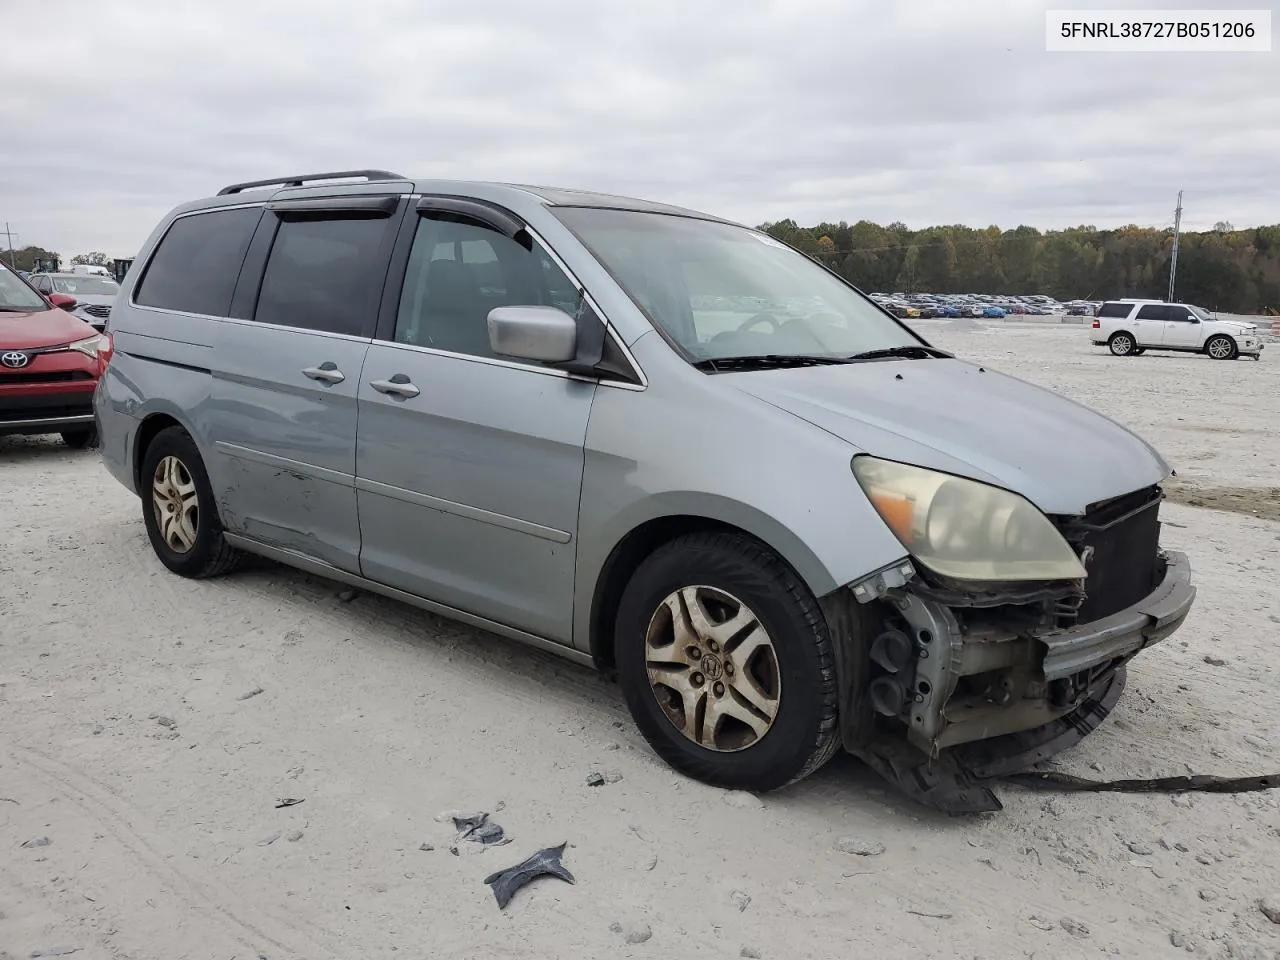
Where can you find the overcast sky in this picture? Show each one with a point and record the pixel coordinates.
(925, 111)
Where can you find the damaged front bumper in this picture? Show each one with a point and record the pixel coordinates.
(975, 675)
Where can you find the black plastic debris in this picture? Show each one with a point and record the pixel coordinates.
(288, 802)
(546, 863)
(480, 829)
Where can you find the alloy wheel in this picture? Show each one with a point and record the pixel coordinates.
(713, 668)
(177, 506)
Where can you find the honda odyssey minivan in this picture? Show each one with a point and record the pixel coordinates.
(652, 441)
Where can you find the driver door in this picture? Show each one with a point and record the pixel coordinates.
(1181, 329)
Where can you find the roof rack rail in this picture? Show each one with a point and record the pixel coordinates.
(306, 177)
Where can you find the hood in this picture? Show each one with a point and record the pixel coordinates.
(960, 418)
(1240, 325)
(97, 299)
(46, 328)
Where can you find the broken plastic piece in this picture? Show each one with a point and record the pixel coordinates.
(478, 828)
(1199, 782)
(543, 863)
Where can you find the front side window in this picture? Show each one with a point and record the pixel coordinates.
(719, 291)
(42, 284)
(458, 272)
(16, 296)
(197, 263)
(323, 275)
(1200, 313)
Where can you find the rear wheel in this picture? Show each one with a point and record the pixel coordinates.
(79, 439)
(178, 508)
(1221, 347)
(725, 661)
(1122, 344)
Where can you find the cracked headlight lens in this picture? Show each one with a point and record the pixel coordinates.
(964, 529)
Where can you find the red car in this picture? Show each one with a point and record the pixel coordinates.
(50, 362)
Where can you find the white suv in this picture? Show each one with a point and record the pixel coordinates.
(1130, 327)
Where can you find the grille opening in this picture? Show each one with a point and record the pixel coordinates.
(1121, 538)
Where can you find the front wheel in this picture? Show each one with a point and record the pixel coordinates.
(725, 660)
(1121, 344)
(1221, 347)
(178, 508)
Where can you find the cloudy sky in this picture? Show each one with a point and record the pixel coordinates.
(926, 111)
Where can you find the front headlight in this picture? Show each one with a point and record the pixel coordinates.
(88, 346)
(964, 529)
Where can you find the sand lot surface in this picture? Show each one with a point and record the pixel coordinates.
(139, 778)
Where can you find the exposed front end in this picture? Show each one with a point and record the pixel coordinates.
(960, 662)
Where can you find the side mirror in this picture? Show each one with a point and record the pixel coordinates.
(63, 300)
(542, 334)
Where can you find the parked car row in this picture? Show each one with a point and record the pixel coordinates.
(929, 305)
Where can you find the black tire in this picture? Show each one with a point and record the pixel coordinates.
(1122, 344)
(804, 732)
(1217, 341)
(210, 555)
(79, 439)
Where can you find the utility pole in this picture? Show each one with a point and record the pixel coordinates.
(13, 260)
(1173, 263)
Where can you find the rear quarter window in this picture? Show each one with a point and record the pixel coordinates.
(197, 262)
(1115, 310)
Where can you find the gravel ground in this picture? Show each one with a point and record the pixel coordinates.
(149, 726)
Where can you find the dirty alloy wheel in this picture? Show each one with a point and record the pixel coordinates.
(1221, 347)
(79, 439)
(178, 511)
(1121, 344)
(725, 661)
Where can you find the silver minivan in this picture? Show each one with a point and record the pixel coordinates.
(652, 441)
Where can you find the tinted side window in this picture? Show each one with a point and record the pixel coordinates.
(42, 284)
(324, 275)
(1153, 311)
(197, 262)
(458, 272)
(1115, 310)
(1178, 314)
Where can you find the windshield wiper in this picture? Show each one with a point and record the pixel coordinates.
(914, 351)
(766, 360)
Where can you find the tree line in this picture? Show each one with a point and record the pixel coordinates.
(1235, 271)
(29, 257)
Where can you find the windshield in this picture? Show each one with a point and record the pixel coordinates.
(15, 295)
(1199, 313)
(82, 286)
(719, 291)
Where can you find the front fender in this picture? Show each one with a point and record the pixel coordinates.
(688, 446)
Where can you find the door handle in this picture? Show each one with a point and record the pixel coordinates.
(327, 372)
(398, 386)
